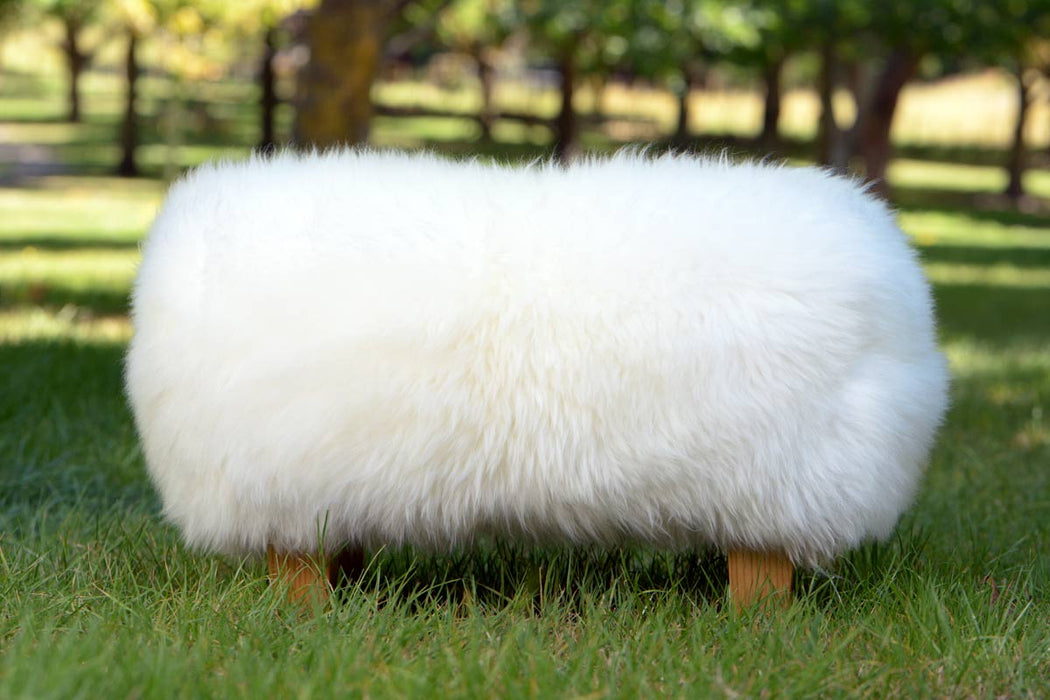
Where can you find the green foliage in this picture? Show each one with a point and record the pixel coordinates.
(1009, 34)
(668, 39)
(474, 25)
(9, 10)
(78, 11)
(947, 30)
(250, 17)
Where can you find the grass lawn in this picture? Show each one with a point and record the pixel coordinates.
(99, 599)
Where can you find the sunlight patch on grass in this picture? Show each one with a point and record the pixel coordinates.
(155, 156)
(32, 108)
(904, 172)
(516, 132)
(70, 323)
(999, 275)
(79, 269)
(79, 208)
(411, 132)
(930, 228)
(974, 357)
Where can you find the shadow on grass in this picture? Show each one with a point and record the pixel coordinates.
(966, 154)
(1016, 256)
(68, 439)
(496, 574)
(66, 243)
(989, 313)
(983, 206)
(948, 154)
(60, 373)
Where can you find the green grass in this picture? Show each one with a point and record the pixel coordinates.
(99, 599)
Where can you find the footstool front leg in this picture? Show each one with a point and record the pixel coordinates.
(756, 577)
(306, 577)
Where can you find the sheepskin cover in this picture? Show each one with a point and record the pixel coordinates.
(384, 349)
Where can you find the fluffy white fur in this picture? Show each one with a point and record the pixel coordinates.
(402, 349)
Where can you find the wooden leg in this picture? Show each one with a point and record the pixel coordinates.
(756, 576)
(306, 578)
(347, 565)
(310, 580)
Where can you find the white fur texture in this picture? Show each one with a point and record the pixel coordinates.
(400, 349)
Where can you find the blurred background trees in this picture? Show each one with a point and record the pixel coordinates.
(322, 66)
(74, 15)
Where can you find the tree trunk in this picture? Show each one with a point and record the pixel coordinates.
(876, 122)
(129, 136)
(596, 83)
(268, 91)
(771, 112)
(75, 60)
(681, 132)
(487, 116)
(827, 129)
(843, 142)
(1016, 161)
(346, 40)
(566, 146)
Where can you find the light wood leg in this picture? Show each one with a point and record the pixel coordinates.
(307, 580)
(348, 564)
(754, 577)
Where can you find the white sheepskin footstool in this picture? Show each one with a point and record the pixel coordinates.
(343, 351)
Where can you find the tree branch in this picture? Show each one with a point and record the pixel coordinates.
(403, 42)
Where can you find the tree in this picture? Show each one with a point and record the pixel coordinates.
(909, 31)
(8, 9)
(676, 42)
(893, 38)
(1041, 52)
(1017, 42)
(477, 28)
(347, 39)
(181, 27)
(574, 37)
(876, 120)
(1016, 161)
(268, 99)
(135, 18)
(770, 31)
(263, 21)
(75, 15)
(129, 125)
(831, 21)
(346, 45)
(673, 43)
